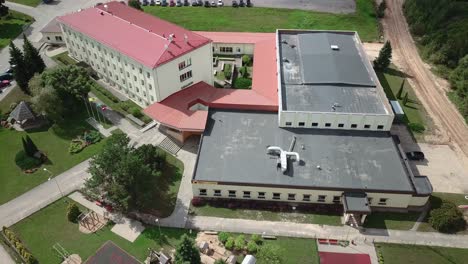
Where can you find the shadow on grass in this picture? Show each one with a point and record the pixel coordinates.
(396, 72)
(378, 219)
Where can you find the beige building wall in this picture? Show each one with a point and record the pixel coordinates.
(390, 200)
(53, 38)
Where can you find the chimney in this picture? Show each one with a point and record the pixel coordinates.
(185, 38)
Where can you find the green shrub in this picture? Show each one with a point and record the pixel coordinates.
(146, 119)
(239, 243)
(252, 247)
(223, 237)
(76, 146)
(447, 218)
(242, 83)
(229, 245)
(136, 112)
(246, 60)
(416, 127)
(227, 71)
(73, 211)
(269, 254)
(26, 162)
(92, 137)
(243, 71)
(256, 238)
(220, 261)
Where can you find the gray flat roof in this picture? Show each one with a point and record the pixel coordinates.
(233, 150)
(356, 202)
(314, 76)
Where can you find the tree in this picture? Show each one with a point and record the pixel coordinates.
(45, 100)
(186, 252)
(239, 243)
(71, 83)
(73, 212)
(3, 8)
(32, 147)
(135, 4)
(129, 177)
(246, 60)
(400, 91)
(381, 9)
(459, 77)
(447, 218)
(32, 58)
(20, 71)
(256, 238)
(223, 237)
(385, 55)
(229, 243)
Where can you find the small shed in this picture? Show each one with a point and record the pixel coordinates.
(249, 259)
(397, 109)
(24, 117)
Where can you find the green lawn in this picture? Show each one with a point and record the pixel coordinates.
(391, 81)
(263, 215)
(269, 19)
(32, 3)
(436, 201)
(399, 221)
(11, 26)
(53, 140)
(64, 59)
(410, 254)
(16, 95)
(296, 250)
(49, 226)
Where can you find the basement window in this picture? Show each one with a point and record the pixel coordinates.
(340, 125)
(202, 192)
(306, 197)
(353, 125)
(336, 199)
(246, 194)
(291, 196)
(261, 195)
(301, 124)
(314, 124)
(380, 127)
(276, 196)
(321, 198)
(383, 201)
(217, 192)
(232, 193)
(288, 124)
(367, 126)
(328, 124)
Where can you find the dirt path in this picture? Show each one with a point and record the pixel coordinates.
(449, 124)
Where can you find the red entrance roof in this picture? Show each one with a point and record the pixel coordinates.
(174, 111)
(140, 36)
(340, 258)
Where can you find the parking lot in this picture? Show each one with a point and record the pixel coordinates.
(330, 6)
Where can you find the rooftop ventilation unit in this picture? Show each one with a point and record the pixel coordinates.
(284, 41)
(283, 156)
(285, 59)
(292, 46)
(106, 7)
(334, 47)
(185, 38)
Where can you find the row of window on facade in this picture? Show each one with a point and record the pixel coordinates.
(340, 125)
(226, 49)
(184, 64)
(57, 38)
(185, 76)
(277, 196)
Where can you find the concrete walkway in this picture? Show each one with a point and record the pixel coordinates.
(323, 231)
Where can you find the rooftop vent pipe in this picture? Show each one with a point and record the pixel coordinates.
(335, 47)
(283, 156)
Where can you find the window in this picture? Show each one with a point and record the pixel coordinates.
(306, 197)
(128, 74)
(112, 55)
(276, 196)
(314, 124)
(57, 38)
(95, 56)
(142, 82)
(108, 63)
(48, 38)
(369, 200)
(113, 66)
(152, 98)
(328, 124)
(321, 198)
(367, 126)
(232, 193)
(261, 195)
(182, 65)
(380, 127)
(150, 87)
(383, 201)
(202, 192)
(340, 125)
(226, 49)
(336, 199)
(246, 194)
(238, 50)
(217, 192)
(185, 76)
(291, 196)
(288, 123)
(134, 78)
(121, 70)
(301, 123)
(148, 75)
(141, 71)
(353, 125)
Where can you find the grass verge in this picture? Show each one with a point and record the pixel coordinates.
(258, 19)
(32, 3)
(387, 220)
(11, 26)
(398, 253)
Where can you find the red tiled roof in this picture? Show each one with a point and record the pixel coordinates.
(174, 110)
(134, 33)
(339, 258)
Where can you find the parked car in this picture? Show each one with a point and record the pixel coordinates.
(4, 83)
(179, 3)
(234, 3)
(158, 2)
(207, 4)
(145, 3)
(213, 4)
(6, 76)
(194, 3)
(152, 3)
(200, 3)
(163, 2)
(249, 3)
(241, 3)
(220, 3)
(172, 3)
(415, 155)
(186, 3)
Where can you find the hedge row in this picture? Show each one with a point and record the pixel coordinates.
(16, 243)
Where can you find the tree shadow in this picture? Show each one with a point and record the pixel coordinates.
(395, 72)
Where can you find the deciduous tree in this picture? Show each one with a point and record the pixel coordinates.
(186, 252)
(135, 4)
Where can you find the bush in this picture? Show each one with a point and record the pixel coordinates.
(416, 127)
(239, 243)
(73, 212)
(223, 237)
(26, 162)
(246, 60)
(76, 146)
(136, 112)
(381, 9)
(229, 245)
(447, 218)
(256, 238)
(227, 71)
(242, 83)
(18, 245)
(197, 201)
(92, 137)
(252, 247)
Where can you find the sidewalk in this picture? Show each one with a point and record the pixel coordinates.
(320, 231)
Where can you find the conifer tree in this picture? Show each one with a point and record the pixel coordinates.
(186, 252)
(385, 55)
(32, 58)
(32, 147)
(20, 71)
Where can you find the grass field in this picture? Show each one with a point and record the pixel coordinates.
(32, 3)
(409, 254)
(398, 221)
(53, 140)
(269, 19)
(16, 95)
(263, 215)
(64, 59)
(11, 26)
(49, 226)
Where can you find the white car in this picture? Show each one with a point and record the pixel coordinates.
(220, 3)
(158, 2)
